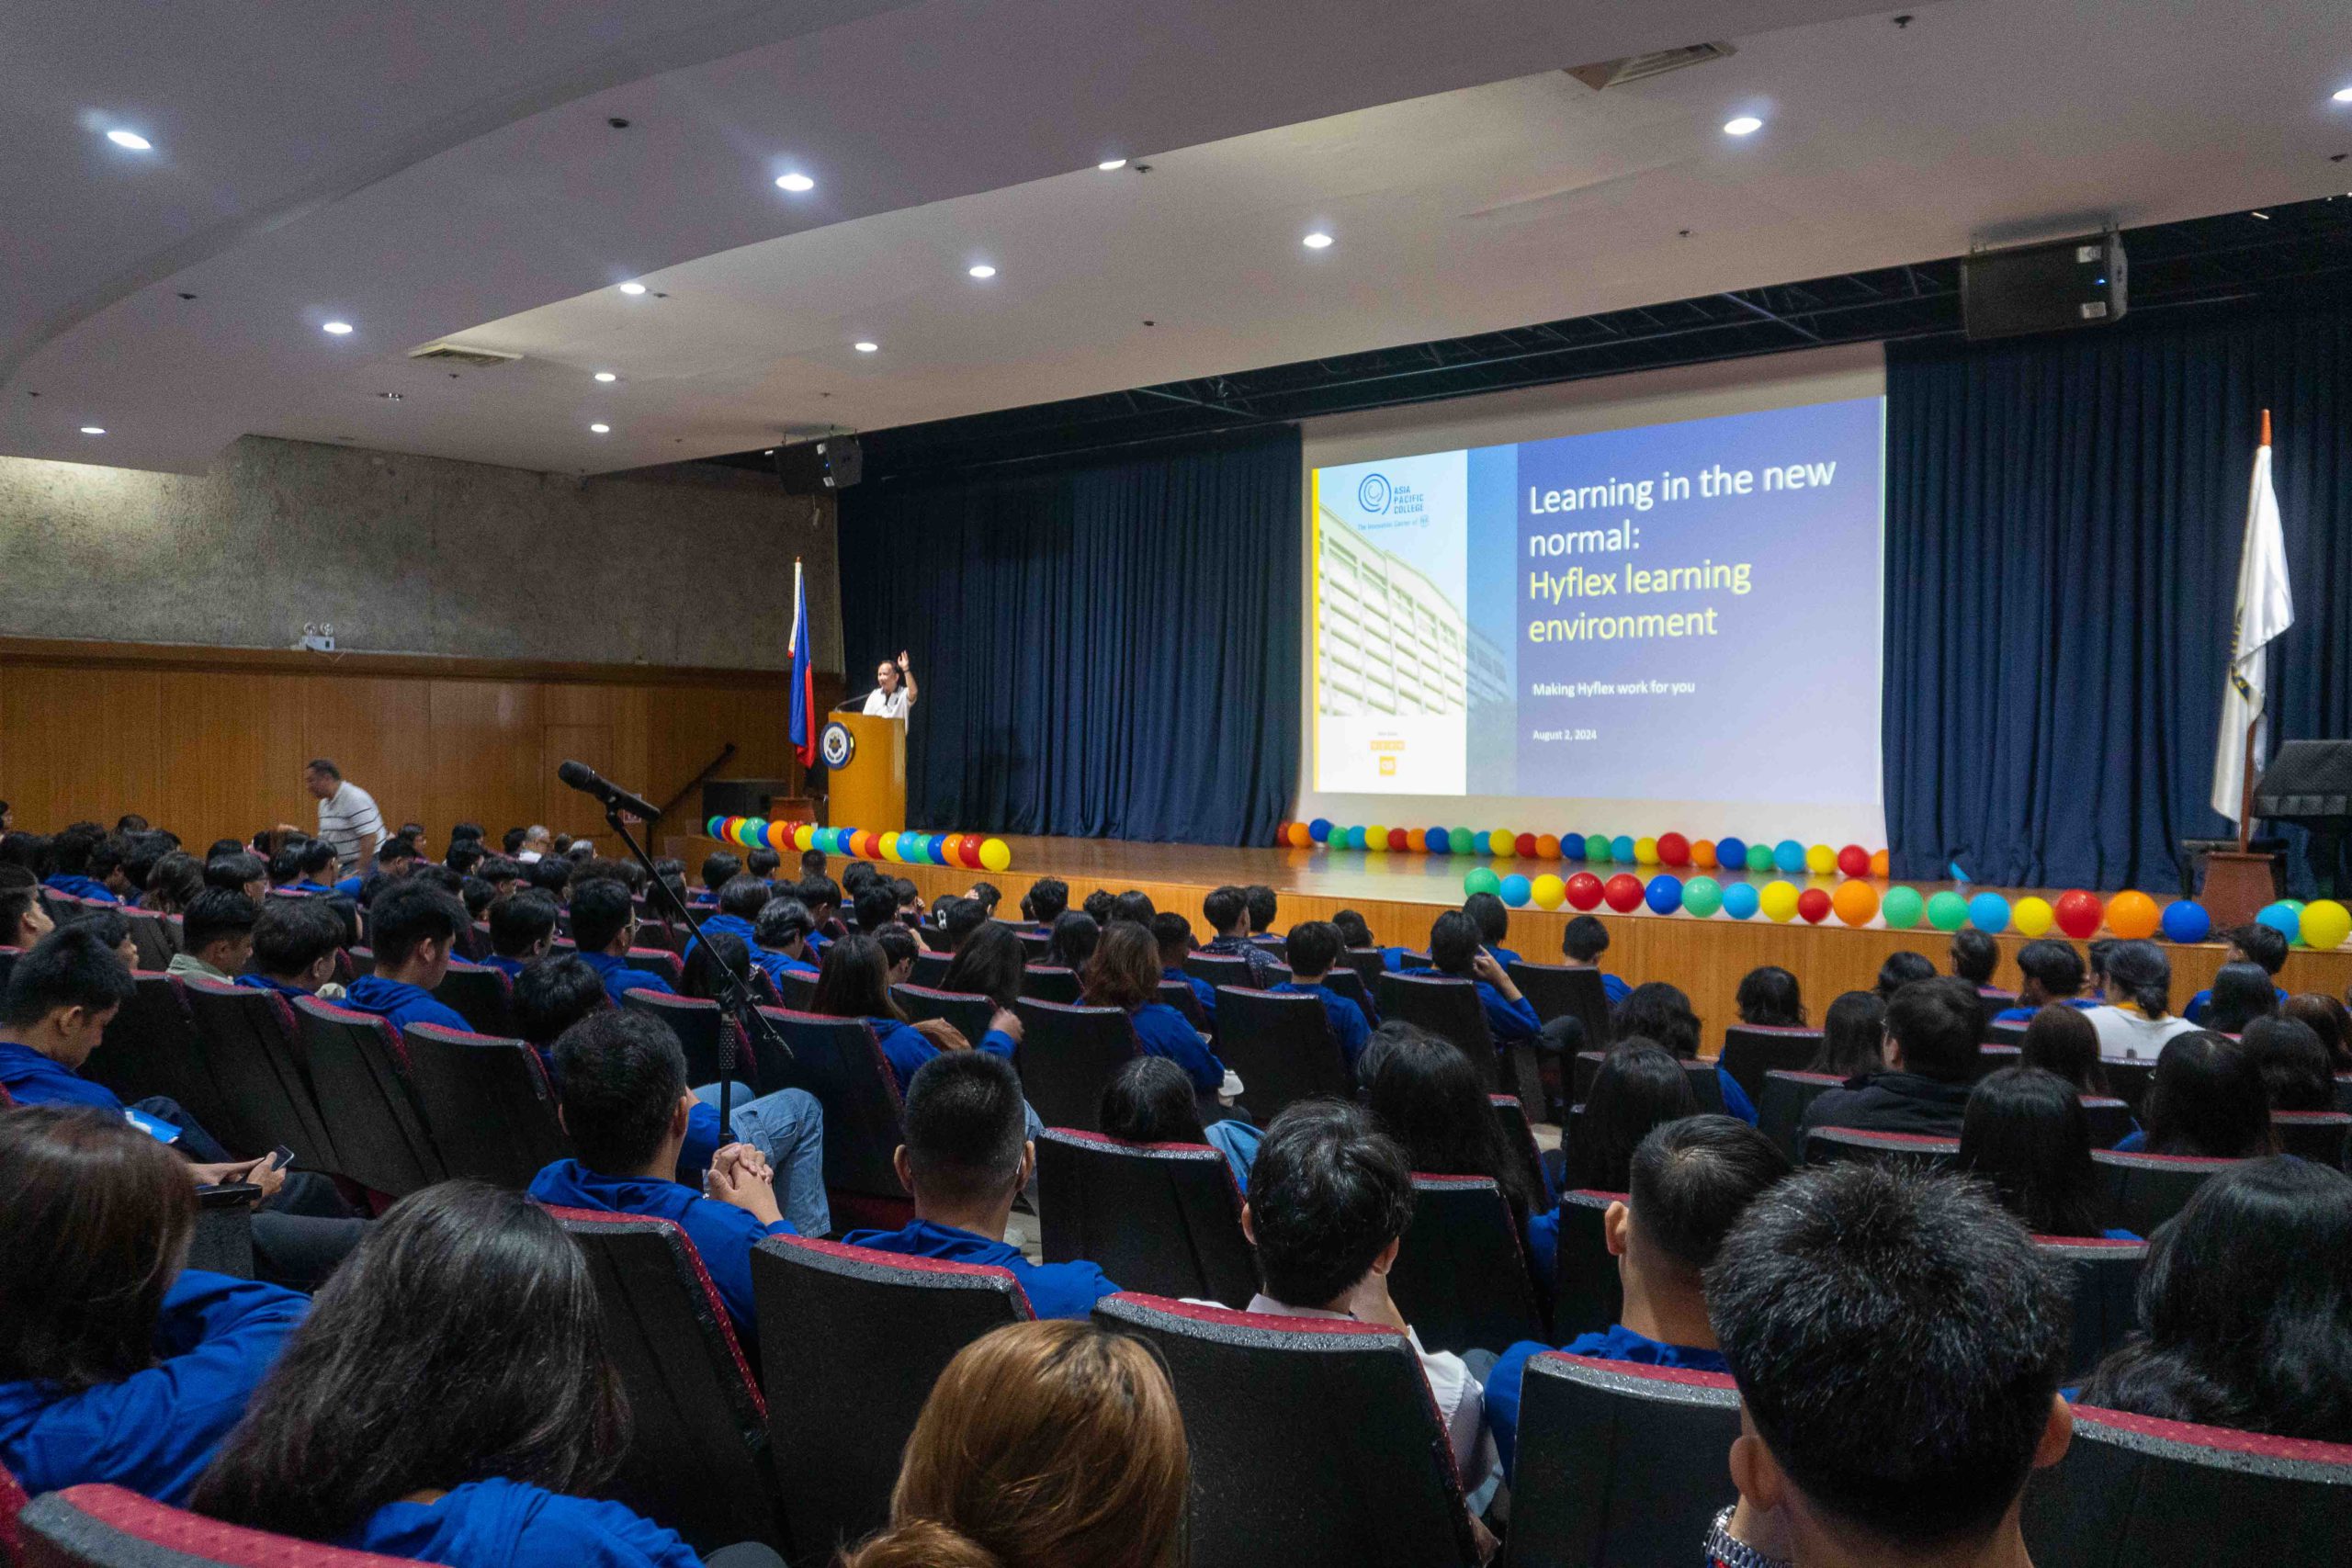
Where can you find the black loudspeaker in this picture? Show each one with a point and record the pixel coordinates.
(2043, 288)
(829, 462)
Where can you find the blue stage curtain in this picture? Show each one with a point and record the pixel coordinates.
(2064, 517)
(1107, 649)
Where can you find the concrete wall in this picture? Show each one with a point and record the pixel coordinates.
(687, 565)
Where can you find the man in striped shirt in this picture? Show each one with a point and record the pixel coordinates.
(347, 816)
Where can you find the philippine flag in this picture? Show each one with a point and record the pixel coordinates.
(804, 676)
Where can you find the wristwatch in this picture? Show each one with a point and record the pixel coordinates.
(1728, 1551)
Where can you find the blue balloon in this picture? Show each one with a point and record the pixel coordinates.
(1988, 912)
(1319, 829)
(1441, 841)
(1731, 853)
(1515, 890)
(1572, 847)
(1788, 854)
(2186, 920)
(2287, 922)
(1621, 848)
(1741, 900)
(1355, 837)
(1664, 894)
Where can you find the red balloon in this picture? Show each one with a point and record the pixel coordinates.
(1400, 839)
(2079, 913)
(1673, 849)
(1624, 892)
(970, 852)
(1814, 905)
(1584, 890)
(1854, 861)
(1524, 846)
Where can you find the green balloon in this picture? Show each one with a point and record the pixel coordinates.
(1460, 841)
(1703, 895)
(1482, 879)
(1759, 857)
(1596, 849)
(1947, 911)
(1902, 907)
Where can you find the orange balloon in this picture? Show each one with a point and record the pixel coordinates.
(1417, 841)
(1856, 902)
(2132, 916)
(1298, 836)
(1548, 846)
(1703, 855)
(1879, 862)
(950, 849)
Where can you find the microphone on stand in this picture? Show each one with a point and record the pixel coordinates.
(587, 780)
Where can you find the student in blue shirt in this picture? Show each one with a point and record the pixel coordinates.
(1356, 932)
(71, 854)
(449, 1400)
(1692, 1181)
(1312, 947)
(522, 930)
(780, 938)
(625, 1104)
(1226, 910)
(395, 859)
(1124, 974)
(117, 1365)
(319, 866)
(2049, 971)
(1658, 1011)
(1173, 934)
(856, 983)
(1454, 950)
(740, 903)
(295, 942)
(602, 921)
(2252, 944)
(967, 1152)
(2025, 1133)
(415, 926)
(1149, 1100)
(1428, 1096)
(1492, 918)
(1583, 942)
(718, 871)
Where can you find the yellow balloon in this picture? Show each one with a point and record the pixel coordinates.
(1821, 860)
(996, 854)
(2325, 924)
(1779, 900)
(890, 846)
(1376, 837)
(1548, 891)
(1644, 851)
(804, 837)
(2032, 916)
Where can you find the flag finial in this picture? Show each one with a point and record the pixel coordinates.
(2266, 427)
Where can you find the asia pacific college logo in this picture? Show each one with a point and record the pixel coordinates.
(1372, 492)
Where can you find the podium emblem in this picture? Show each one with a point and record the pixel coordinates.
(837, 746)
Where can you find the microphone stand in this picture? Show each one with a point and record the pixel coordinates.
(735, 990)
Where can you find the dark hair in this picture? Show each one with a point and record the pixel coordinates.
(70, 851)
(215, 913)
(286, 864)
(2207, 1098)
(1096, 906)
(1975, 955)
(744, 897)
(1487, 913)
(819, 891)
(233, 873)
(1898, 1340)
(1260, 900)
(1453, 943)
(477, 895)
(520, 920)
(406, 915)
(462, 1338)
(858, 875)
(95, 1223)
(601, 911)
(498, 868)
(1173, 933)
(784, 920)
(1224, 907)
(1132, 906)
(550, 874)
(1312, 947)
(619, 1075)
(900, 945)
(718, 868)
(1691, 1181)
(812, 863)
(965, 1125)
(72, 966)
(2025, 1133)
(962, 917)
(16, 902)
(2328, 1019)
(2261, 944)
(761, 863)
(552, 994)
(212, 851)
(321, 765)
(1638, 1086)
(2060, 1038)
(1427, 1096)
(1150, 1101)
(1660, 1014)
(110, 924)
(854, 981)
(1327, 1194)
(2141, 970)
(292, 934)
(1769, 998)
(1939, 1024)
(175, 881)
(1354, 930)
(1901, 968)
(1853, 1036)
(2245, 1308)
(2296, 1072)
(397, 848)
(989, 964)
(2053, 965)
(2241, 993)
(1124, 970)
(986, 894)
(1047, 899)
(1074, 937)
(702, 975)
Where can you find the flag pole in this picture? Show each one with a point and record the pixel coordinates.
(2246, 773)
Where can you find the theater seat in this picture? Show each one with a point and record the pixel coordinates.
(1068, 1057)
(1049, 983)
(107, 1527)
(705, 1032)
(1315, 1443)
(2134, 1490)
(2144, 1190)
(1179, 995)
(1993, 1058)
(250, 1047)
(1461, 1277)
(1586, 1293)
(12, 1491)
(697, 1459)
(850, 1342)
(2111, 1119)
(1283, 1048)
(1914, 1151)
(487, 1104)
(1367, 963)
(1779, 1110)
(1164, 1217)
(156, 939)
(1752, 1050)
(1511, 1117)
(483, 996)
(359, 1070)
(794, 991)
(1618, 1463)
(2107, 1282)
(931, 967)
(2128, 1081)
(2315, 1135)
(149, 1047)
(1554, 990)
(838, 1063)
(967, 1012)
(1346, 982)
(659, 961)
(1704, 1084)
(1448, 1007)
(1219, 969)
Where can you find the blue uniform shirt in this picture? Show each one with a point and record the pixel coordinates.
(1735, 1100)
(2195, 1011)
(511, 967)
(1508, 1022)
(401, 1003)
(1347, 1024)
(1619, 1344)
(1203, 992)
(33, 1078)
(1055, 1290)
(1161, 1031)
(620, 979)
(2025, 1015)
(264, 983)
(722, 1233)
(81, 887)
(907, 1048)
(733, 925)
(509, 1524)
(156, 1431)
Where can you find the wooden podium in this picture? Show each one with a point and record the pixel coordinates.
(870, 790)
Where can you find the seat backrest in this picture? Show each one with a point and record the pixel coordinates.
(1780, 1111)
(156, 939)
(487, 1103)
(111, 1527)
(1448, 1007)
(2107, 1281)
(2132, 1489)
(1993, 1058)
(1751, 1050)
(2343, 1080)
(1912, 1151)
(251, 1048)
(794, 991)
(1315, 1443)
(1218, 968)
(2128, 1081)
(1461, 1278)
(1519, 1133)
(1367, 961)
(659, 961)
(151, 1048)
(1618, 1462)
(1283, 1048)
(1586, 1291)
(1036, 946)
(358, 1068)
(2314, 1136)
(967, 1012)
(1066, 1058)
(931, 966)
(838, 1063)
(1704, 1084)
(2109, 1119)
(1555, 990)
(1162, 1217)
(850, 1341)
(705, 1032)
(936, 939)
(697, 1459)
(2144, 1190)
(1049, 983)
(1999, 1033)
(1179, 995)
(481, 995)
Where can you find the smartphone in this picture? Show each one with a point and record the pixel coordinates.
(280, 1157)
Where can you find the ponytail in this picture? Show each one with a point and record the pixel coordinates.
(921, 1543)
(2142, 969)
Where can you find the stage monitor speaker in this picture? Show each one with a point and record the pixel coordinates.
(829, 462)
(2043, 288)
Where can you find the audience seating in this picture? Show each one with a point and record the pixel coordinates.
(2343, 1080)
(2111, 1119)
(659, 961)
(1066, 1058)
(1779, 1110)
(483, 996)
(794, 991)
(1461, 1278)
(12, 1491)
(1314, 1441)
(1701, 1074)
(1993, 1058)
(1366, 961)
(1160, 1217)
(2144, 1190)
(969, 1013)
(1219, 969)
(931, 967)
(1037, 945)
(1049, 983)
(1519, 1133)
(1282, 1046)
(1826, 1146)
(1586, 1293)
(935, 940)
(150, 1048)
(2315, 1135)
(1448, 1007)
(2107, 1281)
(1997, 1033)
(703, 1030)
(359, 1070)
(249, 1044)
(110, 1527)
(2134, 1490)
(697, 1458)
(1618, 1463)
(2128, 1081)
(1751, 1050)
(1554, 990)
(1344, 981)
(486, 1103)
(156, 938)
(850, 1343)
(1179, 995)
(363, 960)
(837, 1062)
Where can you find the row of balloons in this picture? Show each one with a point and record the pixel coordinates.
(973, 851)
(1787, 856)
(2323, 924)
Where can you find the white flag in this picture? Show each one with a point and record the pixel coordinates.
(2264, 610)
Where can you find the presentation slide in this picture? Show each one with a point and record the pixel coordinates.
(1685, 612)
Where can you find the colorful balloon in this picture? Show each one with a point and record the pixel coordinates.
(1375, 838)
(1319, 829)
(2134, 916)
(1703, 855)
(971, 851)
(1947, 911)
(1481, 879)
(1664, 894)
(711, 825)
(1731, 853)
(1740, 900)
(1812, 904)
(2287, 922)
(1502, 843)
(1548, 891)
(1820, 860)
(1584, 891)
(996, 855)
(1400, 840)
(1779, 901)
(1597, 849)
(2325, 923)
(1644, 851)
(1417, 841)
(1299, 836)
(804, 837)
(1516, 890)
(1572, 846)
(1788, 855)
(1438, 843)
(1855, 902)
(1673, 849)
(1703, 895)
(2186, 920)
(1988, 912)
(1548, 846)
(1854, 861)
(1624, 892)
(1356, 836)
(2079, 914)
(890, 846)
(2032, 915)
(1880, 863)
(1621, 848)
(1761, 857)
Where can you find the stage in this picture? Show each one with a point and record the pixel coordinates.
(1399, 895)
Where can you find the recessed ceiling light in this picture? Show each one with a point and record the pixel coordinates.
(601, 429)
(1107, 164)
(338, 329)
(867, 347)
(94, 430)
(1317, 241)
(2344, 95)
(769, 453)
(632, 288)
(129, 139)
(795, 182)
(1746, 125)
(981, 269)
(607, 375)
